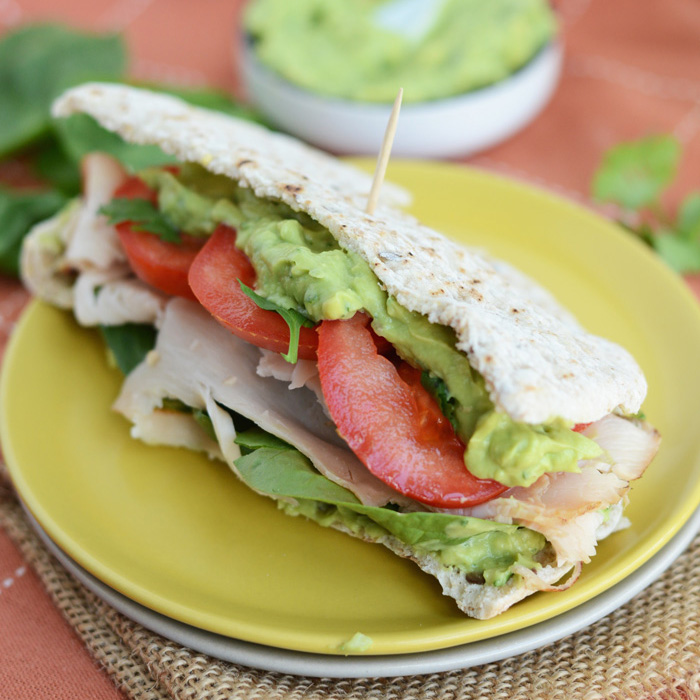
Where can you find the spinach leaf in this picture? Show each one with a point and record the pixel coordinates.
(474, 545)
(254, 438)
(80, 134)
(294, 320)
(129, 343)
(53, 166)
(204, 422)
(288, 473)
(37, 63)
(19, 211)
(143, 217)
(208, 98)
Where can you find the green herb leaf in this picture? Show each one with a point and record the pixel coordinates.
(170, 404)
(143, 216)
(440, 392)
(19, 211)
(288, 473)
(209, 98)
(634, 174)
(294, 320)
(204, 422)
(129, 343)
(39, 62)
(80, 134)
(689, 217)
(482, 545)
(254, 438)
(55, 167)
(680, 252)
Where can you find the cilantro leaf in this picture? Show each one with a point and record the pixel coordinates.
(143, 217)
(294, 320)
(689, 216)
(681, 253)
(634, 174)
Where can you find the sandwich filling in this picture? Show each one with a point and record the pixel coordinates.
(538, 494)
(300, 266)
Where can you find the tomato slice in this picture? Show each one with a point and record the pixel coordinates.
(214, 276)
(159, 263)
(580, 427)
(391, 422)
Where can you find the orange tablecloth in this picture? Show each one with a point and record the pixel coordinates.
(632, 68)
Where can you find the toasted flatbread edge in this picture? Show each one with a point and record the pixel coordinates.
(477, 600)
(536, 362)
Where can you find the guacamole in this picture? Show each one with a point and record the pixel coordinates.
(345, 50)
(483, 550)
(300, 266)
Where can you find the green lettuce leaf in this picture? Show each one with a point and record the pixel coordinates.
(475, 546)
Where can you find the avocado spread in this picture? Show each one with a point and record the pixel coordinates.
(349, 50)
(300, 266)
(485, 551)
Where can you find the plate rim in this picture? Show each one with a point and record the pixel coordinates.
(463, 656)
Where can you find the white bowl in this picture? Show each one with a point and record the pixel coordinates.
(454, 126)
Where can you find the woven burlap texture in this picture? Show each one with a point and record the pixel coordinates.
(649, 648)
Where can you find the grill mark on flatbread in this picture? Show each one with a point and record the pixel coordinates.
(537, 363)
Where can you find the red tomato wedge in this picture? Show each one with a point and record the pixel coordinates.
(159, 263)
(214, 276)
(580, 427)
(391, 422)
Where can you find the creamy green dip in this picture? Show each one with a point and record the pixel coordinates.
(357, 644)
(483, 550)
(338, 48)
(300, 266)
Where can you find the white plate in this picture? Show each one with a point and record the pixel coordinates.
(331, 666)
(454, 126)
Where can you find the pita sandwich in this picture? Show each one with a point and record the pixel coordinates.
(441, 403)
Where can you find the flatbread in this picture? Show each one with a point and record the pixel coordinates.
(536, 362)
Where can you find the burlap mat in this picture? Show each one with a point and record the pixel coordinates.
(650, 648)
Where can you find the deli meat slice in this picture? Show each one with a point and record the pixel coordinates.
(200, 363)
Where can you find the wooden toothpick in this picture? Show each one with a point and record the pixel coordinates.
(384, 153)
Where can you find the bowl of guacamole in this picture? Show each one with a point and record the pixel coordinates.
(473, 72)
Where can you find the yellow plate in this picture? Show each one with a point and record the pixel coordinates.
(179, 534)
